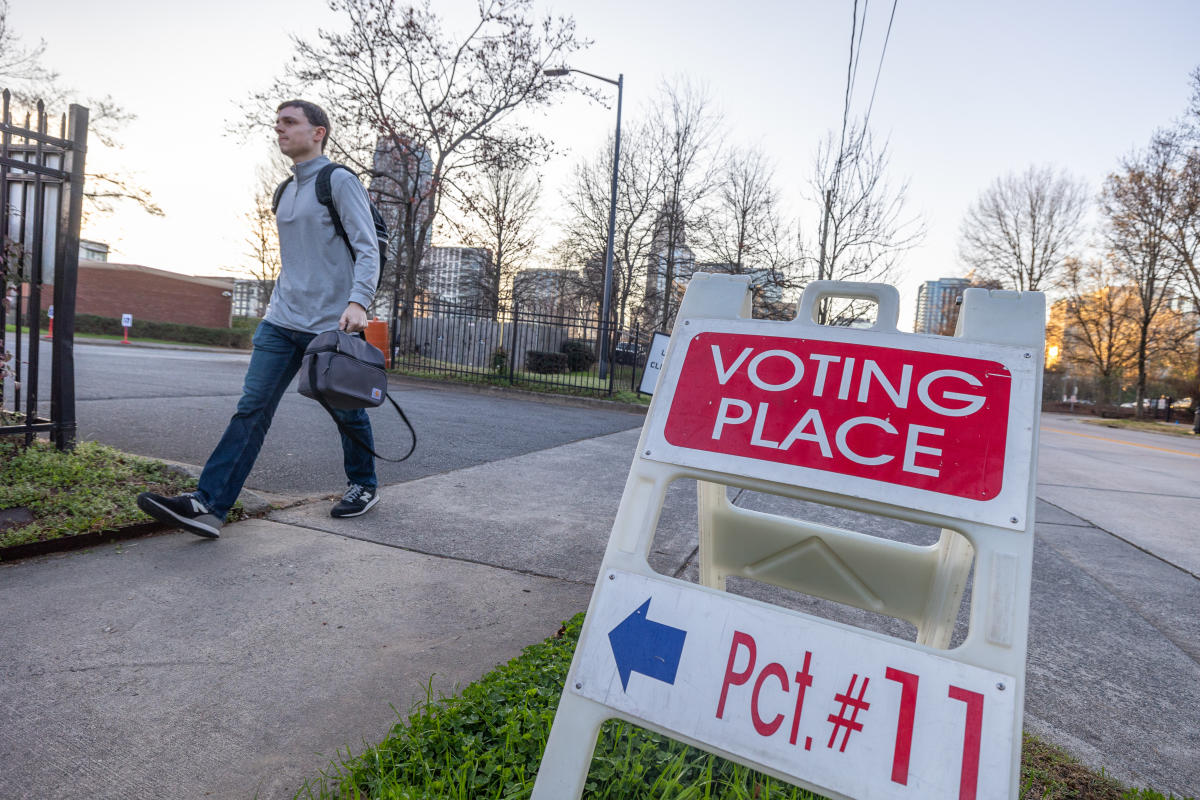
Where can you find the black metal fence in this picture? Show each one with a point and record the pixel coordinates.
(41, 204)
(516, 347)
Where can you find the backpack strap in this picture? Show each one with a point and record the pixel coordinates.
(279, 194)
(325, 198)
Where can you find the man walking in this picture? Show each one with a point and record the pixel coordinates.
(323, 285)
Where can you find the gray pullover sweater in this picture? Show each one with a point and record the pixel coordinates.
(319, 277)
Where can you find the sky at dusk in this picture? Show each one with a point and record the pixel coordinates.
(967, 93)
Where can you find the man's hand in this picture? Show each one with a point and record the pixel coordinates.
(354, 319)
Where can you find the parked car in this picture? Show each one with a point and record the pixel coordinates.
(625, 353)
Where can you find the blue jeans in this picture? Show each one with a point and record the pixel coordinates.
(275, 361)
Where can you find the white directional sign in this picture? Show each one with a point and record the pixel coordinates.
(853, 713)
(654, 362)
(126, 320)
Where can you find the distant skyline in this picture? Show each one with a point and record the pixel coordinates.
(968, 92)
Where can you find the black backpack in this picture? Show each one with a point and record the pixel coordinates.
(325, 198)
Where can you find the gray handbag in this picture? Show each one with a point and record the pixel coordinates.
(342, 370)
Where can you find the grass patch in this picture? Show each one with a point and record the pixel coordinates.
(487, 743)
(91, 488)
(523, 381)
(1151, 426)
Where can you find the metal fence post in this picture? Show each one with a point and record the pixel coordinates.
(66, 268)
(512, 347)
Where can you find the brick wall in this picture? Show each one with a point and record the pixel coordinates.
(110, 290)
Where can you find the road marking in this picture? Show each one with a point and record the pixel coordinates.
(1121, 441)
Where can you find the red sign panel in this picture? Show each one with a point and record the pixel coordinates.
(925, 420)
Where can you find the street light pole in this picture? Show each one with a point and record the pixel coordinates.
(606, 303)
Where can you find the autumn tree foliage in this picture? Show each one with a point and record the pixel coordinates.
(1137, 202)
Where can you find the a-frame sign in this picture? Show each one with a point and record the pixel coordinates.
(930, 429)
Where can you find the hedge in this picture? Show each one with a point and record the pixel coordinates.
(239, 337)
(544, 362)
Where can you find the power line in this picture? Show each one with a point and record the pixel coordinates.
(849, 84)
(862, 29)
(878, 71)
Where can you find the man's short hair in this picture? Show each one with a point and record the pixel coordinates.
(315, 115)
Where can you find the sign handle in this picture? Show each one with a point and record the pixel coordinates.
(882, 294)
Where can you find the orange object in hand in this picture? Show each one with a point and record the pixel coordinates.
(377, 334)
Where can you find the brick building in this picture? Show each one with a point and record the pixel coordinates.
(110, 290)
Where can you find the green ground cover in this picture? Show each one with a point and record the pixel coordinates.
(1151, 426)
(91, 488)
(583, 384)
(486, 743)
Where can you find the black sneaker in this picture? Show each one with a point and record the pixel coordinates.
(184, 510)
(357, 501)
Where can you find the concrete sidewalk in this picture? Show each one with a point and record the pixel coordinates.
(181, 667)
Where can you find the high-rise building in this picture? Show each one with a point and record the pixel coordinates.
(937, 305)
(456, 273)
(401, 176)
(402, 189)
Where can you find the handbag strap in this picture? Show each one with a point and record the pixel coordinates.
(312, 381)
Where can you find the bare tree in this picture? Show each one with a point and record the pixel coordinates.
(864, 227)
(1137, 202)
(1182, 231)
(586, 229)
(22, 66)
(262, 235)
(684, 133)
(1023, 227)
(742, 231)
(22, 72)
(393, 77)
(499, 213)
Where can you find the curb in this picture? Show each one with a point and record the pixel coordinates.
(67, 543)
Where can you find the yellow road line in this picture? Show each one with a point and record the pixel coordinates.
(1122, 441)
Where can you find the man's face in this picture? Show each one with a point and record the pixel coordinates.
(299, 139)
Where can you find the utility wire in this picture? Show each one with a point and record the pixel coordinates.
(862, 29)
(849, 84)
(878, 71)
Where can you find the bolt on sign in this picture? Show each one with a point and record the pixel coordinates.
(929, 429)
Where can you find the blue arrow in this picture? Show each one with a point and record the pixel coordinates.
(650, 648)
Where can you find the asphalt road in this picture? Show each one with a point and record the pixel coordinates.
(1141, 487)
(174, 404)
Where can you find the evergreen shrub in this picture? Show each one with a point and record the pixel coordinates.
(579, 355)
(544, 362)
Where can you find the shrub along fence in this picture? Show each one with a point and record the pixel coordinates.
(516, 347)
(238, 336)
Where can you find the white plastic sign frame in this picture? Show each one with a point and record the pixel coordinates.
(677, 658)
